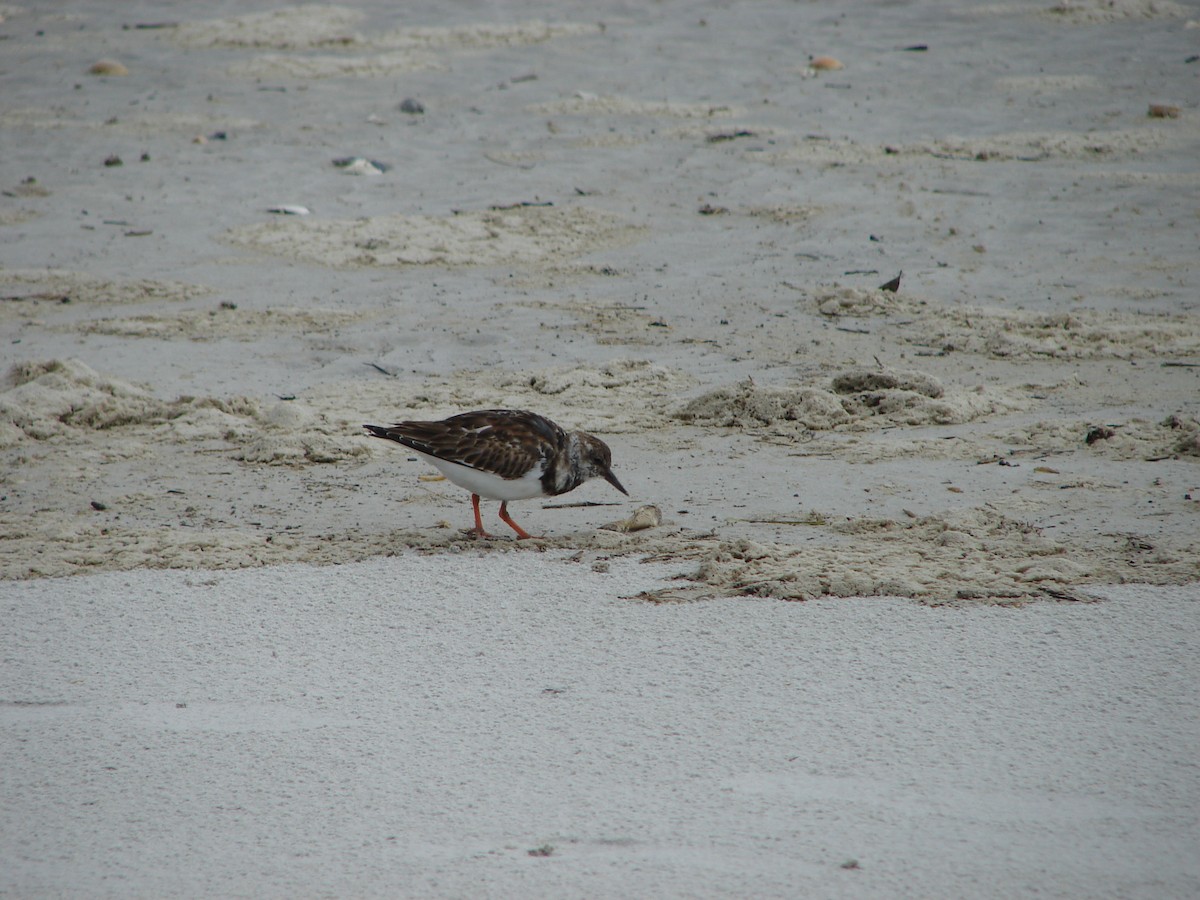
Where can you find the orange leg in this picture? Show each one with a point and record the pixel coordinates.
(521, 532)
(479, 532)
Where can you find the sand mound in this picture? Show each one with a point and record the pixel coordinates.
(68, 400)
(522, 236)
(961, 556)
(747, 405)
(864, 302)
(858, 400)
(46, 400)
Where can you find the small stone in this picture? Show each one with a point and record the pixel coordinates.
(412, 106)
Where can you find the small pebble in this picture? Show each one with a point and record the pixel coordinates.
(113, 160)
(412, 106)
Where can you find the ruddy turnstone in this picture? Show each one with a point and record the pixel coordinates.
(505, 454)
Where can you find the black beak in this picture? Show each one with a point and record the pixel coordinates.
(612, 479)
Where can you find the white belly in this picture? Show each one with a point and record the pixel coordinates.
(493, 487)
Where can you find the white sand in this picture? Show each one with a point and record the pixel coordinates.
(658, 223)
(415, 726)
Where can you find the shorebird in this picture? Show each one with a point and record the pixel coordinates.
(505, 455)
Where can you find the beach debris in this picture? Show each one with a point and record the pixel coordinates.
(28, 187)
(113, 160)
(520, 204)
(728, 135)
(709, 210)
(98, 506)
(648, 516)
(544, 850)
(825, 64)
(290, 210)
(894, 284)
(107, 67)
(1098, 433)
(412, 106)
(358, 165)
(1163, 111)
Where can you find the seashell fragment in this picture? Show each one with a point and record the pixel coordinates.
(826, 64)
(643, 517)
(107, 67)
(357, 165)
(289, 210)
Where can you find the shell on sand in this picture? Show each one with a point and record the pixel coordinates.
(108, 67)
(826, 63)
(643, 517)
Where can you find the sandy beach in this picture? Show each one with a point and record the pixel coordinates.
(891, 302)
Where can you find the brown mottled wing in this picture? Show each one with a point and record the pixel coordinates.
(505, 442)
